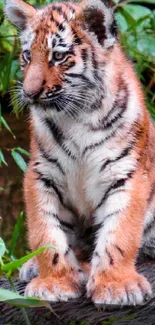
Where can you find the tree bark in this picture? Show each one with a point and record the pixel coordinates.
(82, 311)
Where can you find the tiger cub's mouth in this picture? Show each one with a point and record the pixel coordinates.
(48, 100)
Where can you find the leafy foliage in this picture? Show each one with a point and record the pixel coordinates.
(137, 36)
(8, 264)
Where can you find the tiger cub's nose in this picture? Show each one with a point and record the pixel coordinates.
(31, 94)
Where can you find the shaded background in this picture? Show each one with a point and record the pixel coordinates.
(136, 21)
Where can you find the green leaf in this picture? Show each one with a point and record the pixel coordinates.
(0, 117)
(127, 17)
(18, 263)
(2, 159)
(19, 160)
(15, 299)
(136, 11)
(2, 247)
(146, 45)
(143, 1)
(16, 233)
(7, 126)
(23, 151)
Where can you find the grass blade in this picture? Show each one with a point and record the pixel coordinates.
(19, 160)
(15, 299)
(16, 233)
(12, 266)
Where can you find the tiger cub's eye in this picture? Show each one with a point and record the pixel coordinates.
(59, 56)
(27, 56)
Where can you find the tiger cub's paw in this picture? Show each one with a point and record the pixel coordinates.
(60, 288)
(133, 290)
(29, 270)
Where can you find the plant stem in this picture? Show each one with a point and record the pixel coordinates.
(25, 316)
(27, 322)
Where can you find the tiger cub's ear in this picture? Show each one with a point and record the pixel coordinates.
(99, 20)
(18, 12)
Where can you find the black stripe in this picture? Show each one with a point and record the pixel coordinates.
(59, 137)
(71, 64)
(66, 224)
(54, 42)
(125, 152)
(115, 119)
(120, 106)
(111, 260)
(84, 55)
(97, 104)
(59, 10)
(62, 44)
(92, 146)
(59, 37)
(36, 164)
(62, 222)
(109, 216)
(55, 216)
(70, 7)
(99, 226)
(49, 159)
(120, 250)
(101, 142)
(51, 17)
(82, 77)
(60, 26)
(49, 183)
(77, 39)
(116, 185)
(95, 65)
(152, 192)
(64, 16)
(119, 183)
(57, 133)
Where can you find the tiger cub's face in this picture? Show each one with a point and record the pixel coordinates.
(61, 46)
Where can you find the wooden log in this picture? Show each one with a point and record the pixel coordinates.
(82, 311)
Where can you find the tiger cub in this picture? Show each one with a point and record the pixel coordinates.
(90, 183)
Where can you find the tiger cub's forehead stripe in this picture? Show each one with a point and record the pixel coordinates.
(65, 12)
(52, 21)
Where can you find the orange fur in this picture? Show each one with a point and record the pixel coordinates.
(56, 270)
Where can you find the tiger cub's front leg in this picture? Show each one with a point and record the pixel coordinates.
(60, 276)
(113, 278)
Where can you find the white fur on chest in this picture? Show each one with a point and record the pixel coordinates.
(83, 185)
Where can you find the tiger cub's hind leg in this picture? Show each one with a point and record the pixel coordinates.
(148, 240)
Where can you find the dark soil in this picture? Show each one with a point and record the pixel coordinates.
(11, 179)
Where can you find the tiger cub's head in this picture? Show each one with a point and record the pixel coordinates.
(64, 46)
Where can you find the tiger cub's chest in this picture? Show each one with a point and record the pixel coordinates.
(77, 185)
